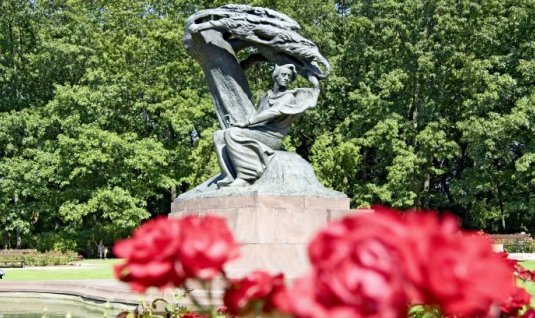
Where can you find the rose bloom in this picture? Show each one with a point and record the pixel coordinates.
(516, 302)
(360, 266)
(206, 244)
(458, 271)
(193, 315)
(150, 255)
(164, 252)
(303, 300)
(375, 265)
(519, 270)
(259, 287)
(505, 256)
(529, 314)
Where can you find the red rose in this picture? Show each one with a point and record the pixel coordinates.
(222, 310)
(258, 287)
(164, 252)
(505, 256)
(519, 270)
(150, 256)
(193, 315)
(529, 314)
(475, 281)
(523, 273)
(360, 266)
(206, 244)
(459, 272)
(516, 302)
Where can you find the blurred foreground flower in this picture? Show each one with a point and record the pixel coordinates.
(516, 302)
(151, 256)
(164, 252)
(257, 292)
(519, 299)
(375, 265)
(366, 265)
(458, 271)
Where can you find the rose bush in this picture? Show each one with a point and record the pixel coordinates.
(365, 265)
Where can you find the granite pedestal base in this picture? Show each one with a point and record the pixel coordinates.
(274, 230)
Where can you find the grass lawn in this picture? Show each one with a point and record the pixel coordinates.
(528, 264)
(102, 269)
(86, 269)
(530, 286)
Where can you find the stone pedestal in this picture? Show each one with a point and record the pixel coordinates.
(274, 230)
(274, 218)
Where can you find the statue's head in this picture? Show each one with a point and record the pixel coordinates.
(283, 72)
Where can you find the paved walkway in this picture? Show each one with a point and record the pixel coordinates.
(111, 291)
(104, 290)
(114, 292)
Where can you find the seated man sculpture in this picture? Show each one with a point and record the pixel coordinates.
(245, 150)
(250, 135)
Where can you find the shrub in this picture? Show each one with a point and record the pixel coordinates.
(50, 258)
(61, 241)
(515, 243)
(520, 245)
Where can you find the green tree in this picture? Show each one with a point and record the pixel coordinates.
(105, 119)
(435, 107)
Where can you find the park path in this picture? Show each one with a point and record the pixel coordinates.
(111, 291)
(101, 292)
(104, 290)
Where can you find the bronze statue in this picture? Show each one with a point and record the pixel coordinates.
(249, 136)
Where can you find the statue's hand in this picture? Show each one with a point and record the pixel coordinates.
(240, 125)
(194, 28)
(311, 77)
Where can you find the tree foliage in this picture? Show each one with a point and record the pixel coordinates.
(436, 101)
(105, 119)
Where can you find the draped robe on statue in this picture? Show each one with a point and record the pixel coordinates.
(251, 148)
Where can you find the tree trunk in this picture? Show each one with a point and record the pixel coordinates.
(173, 193)
(413, 109)
(427, 183)
(18, 239)
(6, 240)
(14, 88)
(502, 208)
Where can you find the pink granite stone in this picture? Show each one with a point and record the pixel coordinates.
(274, 230)
(290, 259)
